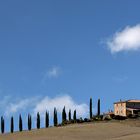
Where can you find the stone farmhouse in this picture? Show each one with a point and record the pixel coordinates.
(127, 108)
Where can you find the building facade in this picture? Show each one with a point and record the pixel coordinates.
(127, 108)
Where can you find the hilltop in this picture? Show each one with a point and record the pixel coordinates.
(112, 130)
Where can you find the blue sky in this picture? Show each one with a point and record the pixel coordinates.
(68, 50)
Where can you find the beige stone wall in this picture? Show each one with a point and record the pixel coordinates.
(120, 109)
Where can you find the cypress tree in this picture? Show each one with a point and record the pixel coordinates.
(12, 124)
(70, 115)
(47, 119)
(2, 124)
(20, 123)
(64, 115)
(38, 121)
(74, 116)
(98, 113)
(55, 117)
(29, 122)
(90, 108)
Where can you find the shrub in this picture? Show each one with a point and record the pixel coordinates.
(87, 120)
(117, 117)
(80, 120)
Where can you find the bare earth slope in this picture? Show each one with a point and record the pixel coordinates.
(92, 131)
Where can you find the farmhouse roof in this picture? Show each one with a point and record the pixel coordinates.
(128, 101)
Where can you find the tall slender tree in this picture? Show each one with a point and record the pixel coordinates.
(2, 124)
(12, 124)
(64, 115)
(20, 123)
(90, 108)
(98, 113)
(47, 119)
(55, 117)
(74, 116)
(29, 122)
(70, 115)
(38, 121)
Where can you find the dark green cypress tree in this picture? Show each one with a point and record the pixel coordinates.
(55, 117)
(2, 124)
(38, 121)
(70, 115)
(90, 108)
(20, 123)
(29, 122)
(47, 119)
(74, 116)
(98, 112)
(64, 115)
(12, 124)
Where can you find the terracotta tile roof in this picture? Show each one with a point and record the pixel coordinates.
(136, 101)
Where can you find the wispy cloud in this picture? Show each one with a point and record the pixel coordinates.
(10, 106)
(53, 72)
(19, 105)
(120, 79)
(127, 39)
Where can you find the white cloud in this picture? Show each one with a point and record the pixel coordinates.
(126, 40)
(59, 102)
(53, 72)
(18, 106)
(10, 106)
(13, 105)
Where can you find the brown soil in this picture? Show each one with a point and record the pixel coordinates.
(114, 130)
